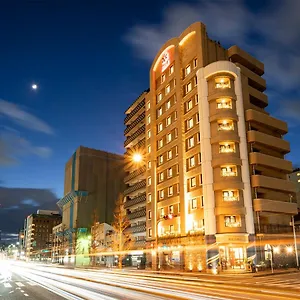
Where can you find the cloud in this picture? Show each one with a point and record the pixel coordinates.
(23, 118)
(291, 110)
(30, 202)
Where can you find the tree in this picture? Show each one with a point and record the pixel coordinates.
(121, 237)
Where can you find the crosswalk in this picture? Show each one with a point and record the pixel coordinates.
(17, 284)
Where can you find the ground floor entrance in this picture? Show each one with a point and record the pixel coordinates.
(232, 257)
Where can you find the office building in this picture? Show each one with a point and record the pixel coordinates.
(216, 174)
(93, 181)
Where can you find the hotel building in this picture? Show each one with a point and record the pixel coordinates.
(212, 186)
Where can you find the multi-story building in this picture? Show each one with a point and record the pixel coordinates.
(135, 179)
(38, 234)
(295, 177)
(216, 174)
(93, 181)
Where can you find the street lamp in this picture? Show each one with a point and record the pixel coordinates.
(137, 157)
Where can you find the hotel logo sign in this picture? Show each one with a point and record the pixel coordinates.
(165, 61)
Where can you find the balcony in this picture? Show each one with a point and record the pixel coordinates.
(140, 198)
(135, 187)
(131, 138)
(225, 126)
(275, 229)
(135, 173)
(134, 123)
(224, 103)
(258, 98)
(228, 173)
(272, 183)
(233, 224)
(137, 228)
(273, 206)
(138, 213)
(227, 148)
(136, 109)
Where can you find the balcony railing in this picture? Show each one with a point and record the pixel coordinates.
(135, 173)
(131, 138)
(137, 108)
(233, 224)
(141, 212)
(135, 187)
(233, 198)
(225, 127)
(229, 174)
(137, 228)
(140, 198)
(134, 123)
(224, 149)
(275, 229)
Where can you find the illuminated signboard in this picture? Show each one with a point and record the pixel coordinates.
(165, 61)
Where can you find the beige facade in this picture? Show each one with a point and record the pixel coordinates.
(217, 173)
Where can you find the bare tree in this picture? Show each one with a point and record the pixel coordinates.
(121, 237)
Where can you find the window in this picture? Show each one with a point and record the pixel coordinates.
(232, 221)
(168, 105)
(192, 161)
(195, 62)
(175, 115)
(170, 172)
(222, 82)
(160, 143)
(176, 132)
(193, 182)
(177, 187)
(202, 201)
(149, 180)
(190, 123)
(149, 133)
(224, 103)
(228, 171)
(159, 127)
(226, 147)
(189, 105)
(195, 80)
(150, 232)
(191, 142)
(225, 125)
(171, 209)
(200, 178)
(196, 99)
(169, 154)
(168, 89)
(199, 158)
(197, 118)
(160, 159)
(163, 78)
(170, 191)
(148, 105)
(159, 97)
(149, 214)
(195, 225)
(177, 169)
(198, 137)
(149, 197)
(161, 194)
(171, 69)
(169, 137)
(194, 203)
(230, 196)
(149, 149)
(159, 112)
(188, 70)
(162, 212)
(161, 176)
(149, 119)
(176, 150)
(171, 228)
(188, 87)
(168, 121)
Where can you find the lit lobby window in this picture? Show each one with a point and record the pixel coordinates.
(168, 89)
(230, 196)
(224, 103)
(187, 70)
(171, 69)
(232, 221)
(222, 82)
(227, 171)
(163, 78)
(227, 147)
(225, 125)
(159, 127)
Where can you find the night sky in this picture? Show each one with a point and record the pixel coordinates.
(91, 59)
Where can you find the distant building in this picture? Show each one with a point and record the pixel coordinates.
(93, 181)
(295, 177)
(38, 234)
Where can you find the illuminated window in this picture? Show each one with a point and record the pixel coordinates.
(232, 221)
(168, 121)
(177, 187)
(195, 62)
(149, 119)
(190, 123)
(148, 105)
(149, 197)
(230, 196)
(161, 159)
(149, 164)
(194, 203)
(193, 182)
(228, 171)
(169, 137)
(169, 154)
(188, 87)
(160, 143)
(159, 112)
(176, 150)
(195, 80)
(224, 103)
(159, 97)
(171, 228)
(149, 214)
(227, 147)
(168, 89)
(298, 174)
(192, 161)
(161, 194)
(197, 118)
(150, 232)
(163, 78)
(149, 149)
(189, 105)
(196, 98)
(172, 69)
(162, 212)
(187, 70)
(149, 180)
(171, 209)
(170, 172)
(176, 132)
(225, 125)
(159, 127)
(191, 142)
(149, 133)
(222, 82)
(168, 105)
(170, 191)
(161, 176)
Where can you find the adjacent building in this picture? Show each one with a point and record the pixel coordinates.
(295, 177)
(38, 234)
(214, 173)
(93, 181)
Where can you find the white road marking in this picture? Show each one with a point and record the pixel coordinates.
(19, 284)
(26, 295)
(22, 291)
(7, 285)
(31, 283)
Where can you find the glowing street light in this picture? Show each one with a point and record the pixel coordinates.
(276, 250)
(289, 249)
(137, 157)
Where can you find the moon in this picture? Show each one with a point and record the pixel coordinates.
(34, 86)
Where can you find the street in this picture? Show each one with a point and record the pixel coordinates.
(33, 281)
